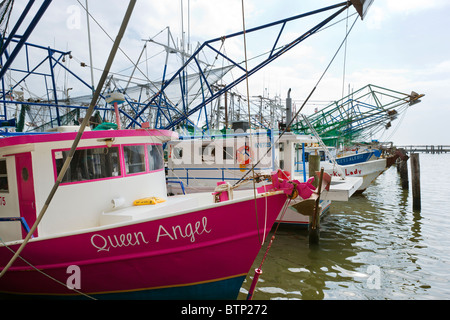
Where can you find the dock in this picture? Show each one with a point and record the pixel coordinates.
(426, 148)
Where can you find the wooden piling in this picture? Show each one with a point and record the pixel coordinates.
(314, 225)
(402, 167)
(314, 167)
(415, 180)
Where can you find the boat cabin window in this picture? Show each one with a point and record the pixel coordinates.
(228, 153)
(155, 157)
(102, 162)
(208, 153)
(306, 156)
(134, 158)
(89, 164)
(3, 176)
(322, 155)
(177, 153)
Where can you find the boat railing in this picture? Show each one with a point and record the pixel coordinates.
(22, 220)
(192, 176)
(227, 135)
(179, 182)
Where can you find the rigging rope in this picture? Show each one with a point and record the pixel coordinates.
(5, 13)
(248, 107)
(258, 271)
(99, 25)
(45, 274)
(345, 56)
(306, 100)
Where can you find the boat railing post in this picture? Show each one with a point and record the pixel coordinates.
(304, 162)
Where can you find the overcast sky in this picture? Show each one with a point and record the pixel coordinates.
(401, 45)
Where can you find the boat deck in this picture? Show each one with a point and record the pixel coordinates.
(181, 204)
(342, 189)
(156, 211)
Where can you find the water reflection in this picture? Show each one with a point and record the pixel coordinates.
(372, 247)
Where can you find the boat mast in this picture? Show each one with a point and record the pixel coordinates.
(90, 47)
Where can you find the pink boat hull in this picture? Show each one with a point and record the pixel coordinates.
(197, 255)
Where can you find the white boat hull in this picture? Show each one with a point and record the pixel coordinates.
(293, 217)
(368, 170)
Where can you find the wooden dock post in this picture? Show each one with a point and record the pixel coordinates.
(314, 167)
(403, 170)
(314, 219)
(415, 176)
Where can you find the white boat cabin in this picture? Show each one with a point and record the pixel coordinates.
(196, 165)
(110, 168)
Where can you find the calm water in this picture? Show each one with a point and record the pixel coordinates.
(373, 247)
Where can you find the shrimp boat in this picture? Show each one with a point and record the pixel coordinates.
(94, 241)
(195, 164)
(368, 165)
(110, 231)
(357, 157)
(367, 170)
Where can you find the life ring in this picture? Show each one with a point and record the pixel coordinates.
(244, 155)
(283, 174)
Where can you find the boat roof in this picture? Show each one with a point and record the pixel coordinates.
(298, 138)
(13, 139)
(287, 136)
